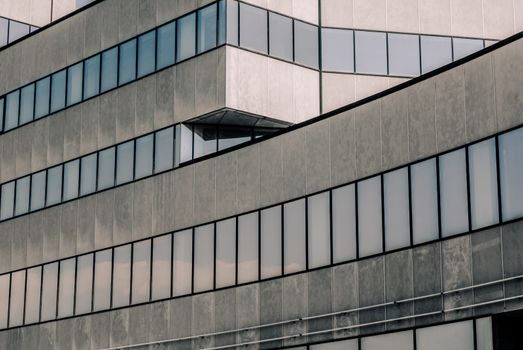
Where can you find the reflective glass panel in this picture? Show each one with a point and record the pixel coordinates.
(371, 52)
(4, 299)
(186, 37)
(164, 148)
(32, 298)
(306, 44)
(84, 284)
(396, 197)
(182, 262)
(230, 136)
(12, 104)
(22, 195)
(4, 29)
(337, 50)
(184, 135)
(435, 52)
(38, 181)
(106, 168)
(74, 83)
(42, 97)
(248, 247)
(453, 193)
(221, 22)
(144, 156)
(483, 184)
(271, 245)
(16, 301)
(280, 36)
(205, 140)
(17, 30)
(253, 28)
(511, 173)
(294, 236)
(424, 201)
(484, 334)
(369, 217)
(141, 271)
(404, 59)
(27, 104)
(146, 53)
(391, 341)
(7, 200)
(127, 66)
(58, 90)
(109, 73)
(207, 27)
(102, 280)
(463, 47)
(49, 292)
(318, 234)
(226, 253)
(125, 162)
(92, 76)
(71, 173)
(350, 344)
(232, 22)
(203, 257)
(166, 45)
(121, 275)
(66, 288)
(161, 278)
(452, 336)
(343, 223)
(88, 174)
(54, 186)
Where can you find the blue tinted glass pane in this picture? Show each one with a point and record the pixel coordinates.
(74, 83)
(38, 190)
(163, 154)
(42, 97)
(7, 200)
(337, 50)
(92, 76)
(404, 54)
(186, 37)
(54, 185)
(11, 109)
(71, 173)
(109, 69)
(106, 168)
(144, 156)
(58, 90)
(253, 28)
(306, 44)
(464, 47)
(207, 28)
(232, 22)
(221, 22)
(371, 52)
(146, 53)
(280, 36)
(27, 104)
(511, 174)
(166, 44)
(88, 174)
(22, 195)
(127, 62)
(435, 52)
(124, 162)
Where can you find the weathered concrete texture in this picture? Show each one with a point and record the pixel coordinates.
(225, 316)
(368, 150)
(422, 133)
(345, 296)
(295, 305)
(320, 303)
(271, 309)
(394, 129)
(399, 285)
(512, 245)
(371, 292)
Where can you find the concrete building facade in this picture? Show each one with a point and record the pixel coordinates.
(333, 174)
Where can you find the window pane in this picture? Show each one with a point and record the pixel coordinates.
(32, 298)
(248, 247)
(4, 299)
(319, 230)
(127, 62)
(11, 110)
(351, 344)
(204, 140)
(164, 148)
(38, 190)
(121, 275)
(207, 28)
(344, 223)
(16, 301)
(396, 197)
(225, 253)
(371, 52)
(435, 52)
(109, 69)
(452, 336)
(511, 173)
(166, 45)
(484, 334)
(146, 53)
(203, 257)
(1, 114)
(17, 30)
(141, 271)
(464, 47)
(42, 97)
(144, 156)
(84, 283)
(271, 249)
(232, 22)
(54, 185)
(8, 198)
(74, 83)
(124, 162)
(88, 176)
(71, 170)
(403, 54)
(306, 44)
(221, 22)
(182, 262)
(230, 136)
(66, 288)
(185, 37)
(102, 280)
(294, 236)
(391, 341)
(483, 184)
(58, 90)
(453, 193)
(424, 201)
(253, 28)
(4, 23)
(337, 50)
(27, 104)
(280, 36)
(106, 168)
(49, 292)
(369, 217)
(184, 134)
(22, 195)
(161, 278)
(92, 76)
